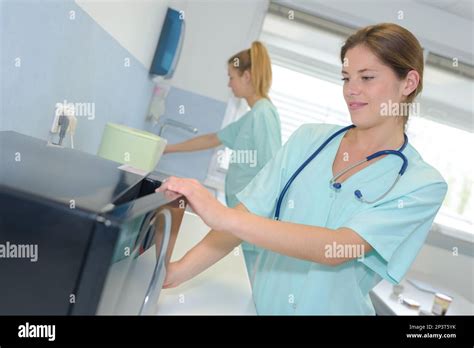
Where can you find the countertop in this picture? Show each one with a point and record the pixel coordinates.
(386, 303)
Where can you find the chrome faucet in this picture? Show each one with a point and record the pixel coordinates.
(172, 123)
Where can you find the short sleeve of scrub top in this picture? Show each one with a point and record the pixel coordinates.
(396, 227)
(229, 133)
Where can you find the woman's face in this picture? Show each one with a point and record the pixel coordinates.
(370, 88)
(240, 84)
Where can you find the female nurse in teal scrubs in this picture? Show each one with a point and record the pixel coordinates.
(329, 249)
(254, 138)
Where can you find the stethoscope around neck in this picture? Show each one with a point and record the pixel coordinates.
(337, 185)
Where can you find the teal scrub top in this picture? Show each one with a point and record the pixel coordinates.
(396, 226)
(254, 138)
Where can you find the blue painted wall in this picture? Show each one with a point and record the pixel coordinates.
(78, 61)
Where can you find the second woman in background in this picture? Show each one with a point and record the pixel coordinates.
(254, 138)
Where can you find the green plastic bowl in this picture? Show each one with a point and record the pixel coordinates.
(131, 146)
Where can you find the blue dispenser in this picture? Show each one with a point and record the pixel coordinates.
(169, 45)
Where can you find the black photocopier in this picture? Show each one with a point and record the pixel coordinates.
(79, 235)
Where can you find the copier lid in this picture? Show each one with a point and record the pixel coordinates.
(29, 165)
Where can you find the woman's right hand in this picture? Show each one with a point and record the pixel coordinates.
(175, 275)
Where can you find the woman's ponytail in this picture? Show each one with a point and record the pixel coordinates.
(261, 69)
(257, 61)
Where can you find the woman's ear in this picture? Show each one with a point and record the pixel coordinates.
(411, 82)
(247, 76)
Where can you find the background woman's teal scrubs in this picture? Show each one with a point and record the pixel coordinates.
(255, 138)
(396, 227)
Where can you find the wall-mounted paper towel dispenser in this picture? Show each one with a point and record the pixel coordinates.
(169, 45)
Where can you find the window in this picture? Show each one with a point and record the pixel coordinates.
(310, 100)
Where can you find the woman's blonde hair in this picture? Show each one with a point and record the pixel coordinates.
(257, 60)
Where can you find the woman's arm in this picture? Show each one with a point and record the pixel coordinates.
(202, 142)
(306, 242)
(207, 252)
(313, 243)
